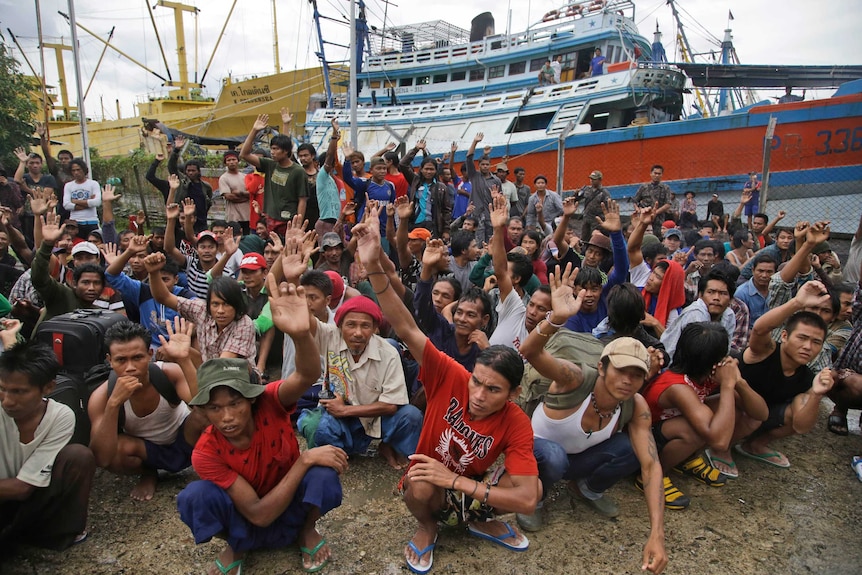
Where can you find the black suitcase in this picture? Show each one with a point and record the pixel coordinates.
(71, 390)
(78, 337)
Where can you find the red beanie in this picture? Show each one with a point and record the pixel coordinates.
(359, 304)
(337, 285)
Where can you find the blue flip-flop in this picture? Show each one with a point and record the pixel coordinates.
(420, 553)
(501, 539)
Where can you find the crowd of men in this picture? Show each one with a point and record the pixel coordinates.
(442, 315)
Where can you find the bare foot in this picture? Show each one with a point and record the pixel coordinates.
(146, 487)
(312, 555)
(228, 562)
(392, 457)
(421, 540)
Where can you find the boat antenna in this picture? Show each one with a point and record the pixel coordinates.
(322, 54)
(354, 62)
(99, 63)
(218, 41)
(274, 38)
(158, 38)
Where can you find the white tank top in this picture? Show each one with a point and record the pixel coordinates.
(569, 432)
(159, 427)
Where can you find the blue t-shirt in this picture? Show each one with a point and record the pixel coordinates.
(597, 64)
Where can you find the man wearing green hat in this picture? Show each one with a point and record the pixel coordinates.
(257, 489)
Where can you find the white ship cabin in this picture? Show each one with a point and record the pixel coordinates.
(436, 60)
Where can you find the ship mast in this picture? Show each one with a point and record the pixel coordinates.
(82, 117)
(687, 56)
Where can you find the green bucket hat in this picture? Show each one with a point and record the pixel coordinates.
(227, 372)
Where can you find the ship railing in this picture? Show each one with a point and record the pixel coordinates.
(488, 46)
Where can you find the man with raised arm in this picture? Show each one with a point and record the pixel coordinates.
(285, 187)
(481, 183)
(593, 427)
(470, 421)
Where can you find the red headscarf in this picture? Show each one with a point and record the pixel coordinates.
(671, 294)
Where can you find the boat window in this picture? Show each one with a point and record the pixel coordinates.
(440, 78)
(423, 80)
(530, 122)
(458, 76)
(374, 84)
(405, 82)
(477, 75)
(537, 63)
(517, 68)
(496, 72)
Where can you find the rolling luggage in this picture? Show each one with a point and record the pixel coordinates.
(78, 337)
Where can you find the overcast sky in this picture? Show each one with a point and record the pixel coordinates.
(764, 32)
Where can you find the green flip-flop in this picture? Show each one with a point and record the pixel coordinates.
(732, 472)
(225, 570)
(311, 553)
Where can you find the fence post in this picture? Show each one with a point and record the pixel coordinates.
(561, 152)
(140, 191)
(767, 155)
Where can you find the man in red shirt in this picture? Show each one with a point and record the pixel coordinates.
(257, 490)
(470, 421)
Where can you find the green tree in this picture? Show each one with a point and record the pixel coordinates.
(17, 107)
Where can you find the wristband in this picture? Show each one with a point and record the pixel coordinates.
(475, 487)
(539, 330)
(487, 492)
(552, 324)
(453, 482)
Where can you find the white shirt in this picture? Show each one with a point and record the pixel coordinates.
(32, 462)
(87, 190)
(510, 330)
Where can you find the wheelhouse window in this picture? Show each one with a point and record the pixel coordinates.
(440, 78)
(457, 76)
(405, 82)
(496, 72)
(517, 68)
(537, 63)
(477, 75)
(423, 80)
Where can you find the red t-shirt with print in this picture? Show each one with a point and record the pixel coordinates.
(272, 452)
(660, 384)
(466, 446)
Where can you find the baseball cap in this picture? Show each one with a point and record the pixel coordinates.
(330, 239)
(252, 261)
(818, 249)
(206, 234)
(420, 234)
(595, 175)
(673, 232)
(626, 352)
(228, 372)
(86, 248)
(668, 224)
(502, 166)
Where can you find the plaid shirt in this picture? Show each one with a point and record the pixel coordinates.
(740, 334)
(237, 337)
(851, 355)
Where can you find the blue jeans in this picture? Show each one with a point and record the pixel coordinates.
(400, 431)
(600, 466)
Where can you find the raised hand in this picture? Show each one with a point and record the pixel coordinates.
(470, 208)
(746, 196)
(336, 127)
(172, 211)
(179, 142)
(817, 232)
(404, 208)
(286, 116)
(276, 242)
(436, 256)
(390, 146)
(189, 208)
(453, 149)
(644, 216)
(109, 193)
(570, 206)
(309, 244)
(420, 145)
(347, 148)
(499, 209)
(178, 344)
(261, 123)
(812, 294)
(139, 244)
(230, 244)
(390, 208)
(486, 151)
(21, 154)
(174, 182)
(160, 156)
(41, 201)
(349, 209)
(781, 215)
(295, 228)
(563, 300)
(288, 306)
(109, 252)
(154, 262)
(478, 137)
(611, 222)
(51, 230)
(368, 236)
(292, 261)
(800, 232)
(41, 129)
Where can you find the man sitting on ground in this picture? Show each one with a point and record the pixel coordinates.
(140, 420)
(44, 481)
(579, 428)
(471, 421)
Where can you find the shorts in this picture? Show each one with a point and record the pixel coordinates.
(752, 207)
(277, 226)
(173, 457)
(459, 508)
(777, 413)
(660, 440)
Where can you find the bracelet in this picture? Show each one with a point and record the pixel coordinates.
(453, 482)
(388, 285)
(487, 492)
(474, 488)
(539, 330)
(552, 324)
(375, 273)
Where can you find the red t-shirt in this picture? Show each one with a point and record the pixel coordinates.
(465, 446)
(400, 182)
(664, 381)
(272, 452)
